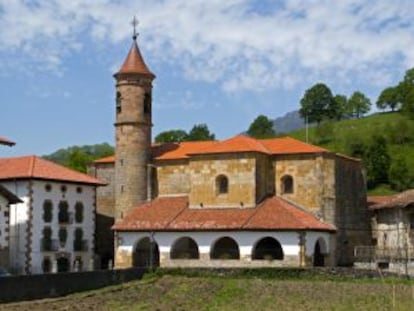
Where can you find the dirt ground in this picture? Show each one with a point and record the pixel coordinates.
(204, 293)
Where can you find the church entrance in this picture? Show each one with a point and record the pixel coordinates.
(318, 254)
(146, 254)
(268, 248)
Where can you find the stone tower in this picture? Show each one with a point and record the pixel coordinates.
(132, 130)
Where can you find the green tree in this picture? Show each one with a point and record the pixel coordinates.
(171, 136)
(377, 161)
(261, 127)
(317, 104)
(389, 98)
(324, 132)
(78, 160)
(341, 108)
(399, 176)
(200, 132)
(408, 104)
(359, 104)
(406, 93)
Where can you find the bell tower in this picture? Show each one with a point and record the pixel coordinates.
(132, 129)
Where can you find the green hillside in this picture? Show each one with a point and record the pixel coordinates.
(338, 136)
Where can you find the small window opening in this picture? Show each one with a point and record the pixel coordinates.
(222, 184)
(287, 184)
(147, 103)
(118, 102)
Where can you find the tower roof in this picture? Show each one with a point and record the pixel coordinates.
(134, 63)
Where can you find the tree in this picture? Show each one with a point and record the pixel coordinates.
(261, 127)
(317, 104)
(389, 98)
(78, 160)
(171, 136)
(377, 161)
(200, 132)
(406, 93)
(399, 174)
(324, 132)
(408, 104)
(359, 104)
(341, 108)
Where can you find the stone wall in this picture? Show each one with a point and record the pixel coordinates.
(351, 215)
(19, 288)
(105, 211)
(309, 179)
(173, 177)
(240, 169)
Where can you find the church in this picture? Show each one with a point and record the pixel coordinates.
(239, 202)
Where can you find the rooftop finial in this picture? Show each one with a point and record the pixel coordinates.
(134, 24)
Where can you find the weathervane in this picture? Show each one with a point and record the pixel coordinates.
(134, 24)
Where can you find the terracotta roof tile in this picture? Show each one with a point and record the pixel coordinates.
(173, 214)
(4, 141)
(288, 145)
(134, 63)
(36, 167)
(400, 200)
(239, 143)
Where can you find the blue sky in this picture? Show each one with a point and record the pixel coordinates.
(217, 62)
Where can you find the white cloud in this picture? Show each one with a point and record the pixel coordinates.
(241, 44)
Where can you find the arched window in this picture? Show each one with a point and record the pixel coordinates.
(47, 211)
(79, 212)
(47, 239)
(222, 184)
(287, 184)
(63, 215)
(63, 236)
(46, 265)
(78, 240)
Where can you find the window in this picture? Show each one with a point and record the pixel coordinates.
(63, 215)
(48, 187)
(79, 212)
(78, 242)
(46, 265)
(47, 239)
(118, 102)
(47, 211)
(63, 236)
(147, 103)
(63, 188)
(287, 184)
(79, 189)
(222, 184)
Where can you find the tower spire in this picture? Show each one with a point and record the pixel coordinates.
(134, 24)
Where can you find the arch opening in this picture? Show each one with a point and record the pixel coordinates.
(146, 254)
(319, 253)
(225, 248)
(184, 248)
(268, 248)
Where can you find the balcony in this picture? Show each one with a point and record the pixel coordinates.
(49, 245)
(80, 245)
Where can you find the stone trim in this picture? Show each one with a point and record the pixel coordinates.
(29, 231)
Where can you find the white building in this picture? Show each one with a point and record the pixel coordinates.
(53, 228)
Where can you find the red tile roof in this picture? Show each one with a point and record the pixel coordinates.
(4, 141)
(400, 200)
(39, 168)
(239, 143)
(173, 214)
(134, 63)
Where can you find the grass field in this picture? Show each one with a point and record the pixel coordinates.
(218, 292)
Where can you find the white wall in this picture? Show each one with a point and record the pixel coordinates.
(19, 218)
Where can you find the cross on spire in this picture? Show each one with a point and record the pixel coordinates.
(134, 24)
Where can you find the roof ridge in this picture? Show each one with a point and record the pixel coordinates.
(256, 210)
(178, 214)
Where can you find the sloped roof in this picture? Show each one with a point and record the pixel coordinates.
(239, 143)
(39, 168)
(173, 214)
(10, 196)
(400, 200)
(4, 141)
(134, 63)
